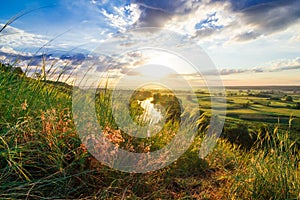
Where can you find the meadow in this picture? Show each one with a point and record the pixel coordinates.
(42, 156)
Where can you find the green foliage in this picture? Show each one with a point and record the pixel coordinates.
(10, 69)
(297, 105)
(239, 135)
(289, 99)
(171, 104)
(135, 109)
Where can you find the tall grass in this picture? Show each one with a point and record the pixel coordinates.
(38, 144)
(271, 170)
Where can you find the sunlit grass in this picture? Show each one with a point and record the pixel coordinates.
(42, 157)
(270, 172)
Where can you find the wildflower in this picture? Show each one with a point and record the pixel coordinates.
(114, 136)
(147, 149)
(83, 148)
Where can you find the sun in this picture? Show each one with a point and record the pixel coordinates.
(162, 64)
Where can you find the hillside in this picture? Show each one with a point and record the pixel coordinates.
(42, 157)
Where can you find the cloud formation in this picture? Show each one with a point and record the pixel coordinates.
(14, 37)
(247, 36)
(274, 66)
(239, 21)
(158, 13)
(271, 16)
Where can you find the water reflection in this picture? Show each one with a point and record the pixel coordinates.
(152, 114)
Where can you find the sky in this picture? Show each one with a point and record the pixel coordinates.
(250, 42)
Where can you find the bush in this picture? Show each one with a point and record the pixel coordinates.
(239, 135)
(289, 99)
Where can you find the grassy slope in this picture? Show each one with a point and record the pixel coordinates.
(41, 157)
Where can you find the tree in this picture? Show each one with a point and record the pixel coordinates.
(18, 71)
(289, 99)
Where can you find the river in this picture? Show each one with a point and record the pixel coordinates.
(151, 114)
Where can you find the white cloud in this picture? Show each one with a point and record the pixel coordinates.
(224, 26)
(272, 66)
(283, 65)
(9, 50)
(122, 17)
(13, 37)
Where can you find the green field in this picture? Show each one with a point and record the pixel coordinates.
(42, 157)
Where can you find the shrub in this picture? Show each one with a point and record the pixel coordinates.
(289, 99)
(239, 135)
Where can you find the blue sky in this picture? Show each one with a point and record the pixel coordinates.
(251, 42)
